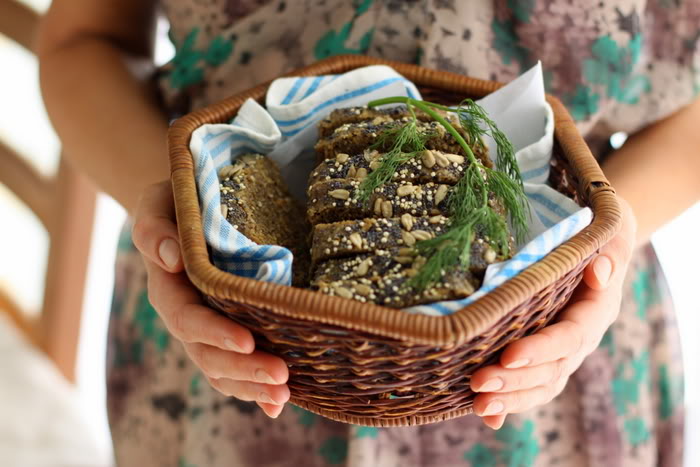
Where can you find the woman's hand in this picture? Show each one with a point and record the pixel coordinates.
(535, 369)
(223, 350)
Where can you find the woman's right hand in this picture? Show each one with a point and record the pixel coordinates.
(223, 350)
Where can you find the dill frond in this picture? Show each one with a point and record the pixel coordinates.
(472, 116)
(477, 197)
(405, 141)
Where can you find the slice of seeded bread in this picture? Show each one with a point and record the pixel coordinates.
(255, 201)
(354, 138)
(394, 289)
(337, 200)
(348, 238)
(340, 117)
(340, 240)
(430, 166)
(384, 277)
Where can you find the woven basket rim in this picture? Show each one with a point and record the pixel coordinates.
(459, 327)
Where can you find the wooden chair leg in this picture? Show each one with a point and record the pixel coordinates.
(25, 325)
(71, 232)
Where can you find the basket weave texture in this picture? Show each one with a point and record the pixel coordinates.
(375, 366)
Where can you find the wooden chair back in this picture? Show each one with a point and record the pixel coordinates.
(65, 205)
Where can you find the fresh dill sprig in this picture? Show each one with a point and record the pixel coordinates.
(471, 115)
(476, 198)
(406, 141)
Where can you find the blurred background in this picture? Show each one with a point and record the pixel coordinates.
(56, 271)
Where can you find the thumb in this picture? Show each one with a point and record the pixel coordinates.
(154, 232)
(612, 261)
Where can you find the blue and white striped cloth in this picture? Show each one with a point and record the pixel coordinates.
(286, 132)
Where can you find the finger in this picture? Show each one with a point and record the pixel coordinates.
(494, 422)
(169, 290)
(516, 401)
(179, 305)
(247, 391)
(550, 344)
(199, 324)
(610, 266)
(271, 410)
(495, 378)
(579, 330)
(154, 232)
(598, 273)
(258, 367)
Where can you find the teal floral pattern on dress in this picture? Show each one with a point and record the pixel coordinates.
(335, 42)
(306, 418)
(195, 384)
(147, 322)
(334, 450)
(506, 40)
(522, 9)
(637, 431)
(644, 293)
(640, 367)
(626, 390)
(670, 392)
(127, 353)
(611, 66)
(361, 6)
(195, 412)
(520, 446)
(608, 342)
(507, 43)
(583, 103)
(183, 463)
(366, 432)
(480, 455)
(187, 66)
(125, 243)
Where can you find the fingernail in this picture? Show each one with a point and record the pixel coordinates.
(264, 397)
(232, 345)
(518, 363)
(494, 408)
(169, 252)
(491, 385)
(261, 376)
(602, 267)
(500, 425)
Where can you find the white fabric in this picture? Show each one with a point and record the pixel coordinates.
(42, 424)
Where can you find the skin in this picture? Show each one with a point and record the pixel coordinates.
(95, 56)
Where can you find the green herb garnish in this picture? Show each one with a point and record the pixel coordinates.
(474, 199)
(406, 141)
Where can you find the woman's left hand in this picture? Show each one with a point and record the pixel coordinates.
(534, 370)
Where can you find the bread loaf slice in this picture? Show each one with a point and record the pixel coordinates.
(255, 200)
(430, 166)
(354, 138)
(353, 237)
(383, 277)
(337, 200)
(340, 117)
(392, 260)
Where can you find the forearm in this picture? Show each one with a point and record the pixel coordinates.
(106, 116)
(658, 170)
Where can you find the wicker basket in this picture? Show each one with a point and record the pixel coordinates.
(369, 365)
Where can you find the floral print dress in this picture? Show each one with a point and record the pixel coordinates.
(617, 65)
